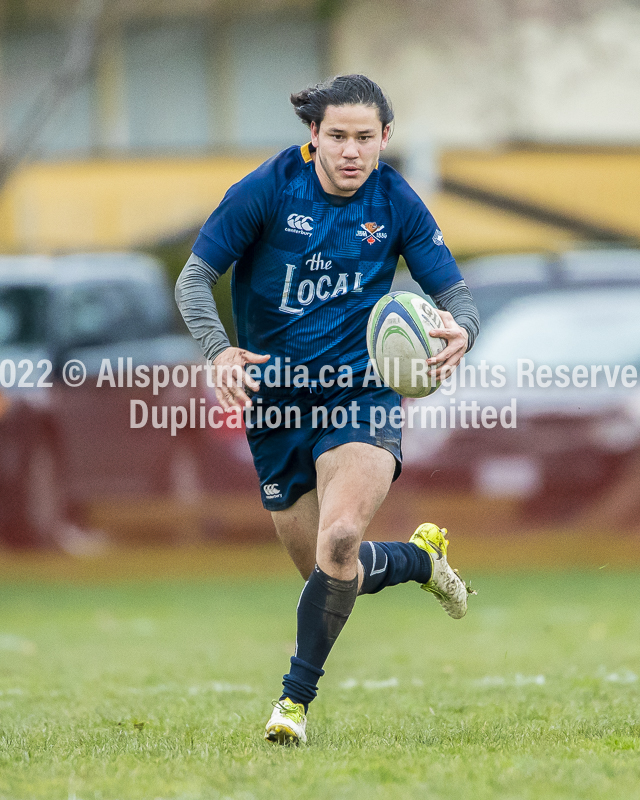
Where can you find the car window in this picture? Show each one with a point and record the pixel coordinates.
(97, 314)
(88, 317)
(107, 312)
(602, 265)
(497, 280)
(528, 268)
(22, 315)
(564, 327)
(155, 310)
(490, 299)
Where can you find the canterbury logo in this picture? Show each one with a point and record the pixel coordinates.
(271, 489)
(300, 223)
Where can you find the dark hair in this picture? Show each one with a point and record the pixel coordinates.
(343, 90)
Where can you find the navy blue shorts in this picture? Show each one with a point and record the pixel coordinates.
(299, 425)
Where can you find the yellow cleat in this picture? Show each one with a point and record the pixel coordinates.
(287, 724)
(445, 583)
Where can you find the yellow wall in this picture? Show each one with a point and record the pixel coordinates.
(598, 186)
(472, 229)
(112, 204)
(98, 205)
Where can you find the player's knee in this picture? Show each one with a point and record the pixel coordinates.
(344, 543)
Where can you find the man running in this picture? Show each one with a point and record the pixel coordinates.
(314, 235)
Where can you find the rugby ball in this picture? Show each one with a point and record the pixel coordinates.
(399, 344)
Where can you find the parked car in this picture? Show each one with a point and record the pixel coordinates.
(496, 280)
(64, 446)
(569, 442)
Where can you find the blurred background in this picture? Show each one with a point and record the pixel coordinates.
(122, 124)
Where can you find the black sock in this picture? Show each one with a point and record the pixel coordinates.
(389, 563)
(323, 609)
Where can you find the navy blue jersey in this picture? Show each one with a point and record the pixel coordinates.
(310, 266)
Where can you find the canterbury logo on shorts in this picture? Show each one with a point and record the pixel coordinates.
(272, 490)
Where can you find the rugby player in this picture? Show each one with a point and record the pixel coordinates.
(314, 235)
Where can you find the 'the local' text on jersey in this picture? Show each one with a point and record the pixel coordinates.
(323, 289)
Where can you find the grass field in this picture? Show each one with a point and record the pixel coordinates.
(149, 690)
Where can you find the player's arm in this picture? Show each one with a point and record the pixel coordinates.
(434, 268)
(461, 320)
(234, 225)
(198, 308)
(455, 305)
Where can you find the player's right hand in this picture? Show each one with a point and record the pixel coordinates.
(230, 377)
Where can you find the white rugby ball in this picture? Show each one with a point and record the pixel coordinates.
(399, 344)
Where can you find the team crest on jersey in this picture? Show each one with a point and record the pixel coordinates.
(438, 238)
(372, 232)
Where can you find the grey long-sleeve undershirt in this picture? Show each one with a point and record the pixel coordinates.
(198, 308)
(457, 300)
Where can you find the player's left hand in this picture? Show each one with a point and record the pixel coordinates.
(457, 340)
(232, 379)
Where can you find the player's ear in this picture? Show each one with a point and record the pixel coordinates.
(315, 130)
(385, 137)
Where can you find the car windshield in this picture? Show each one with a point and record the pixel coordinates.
(602, 265)
(589, 326)
(21, 315)
(492, 299)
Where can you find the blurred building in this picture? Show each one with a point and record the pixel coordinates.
(122, 123)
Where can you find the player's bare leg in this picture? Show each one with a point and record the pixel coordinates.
(297, 529)
(353, 480)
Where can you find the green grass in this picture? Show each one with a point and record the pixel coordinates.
(149, 691)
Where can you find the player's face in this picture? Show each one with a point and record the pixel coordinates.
(348, 143)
